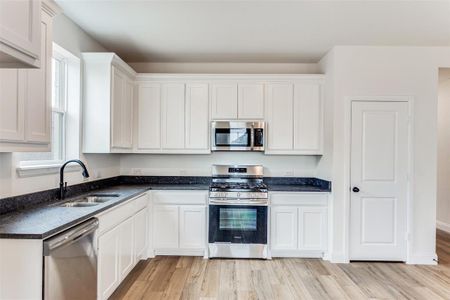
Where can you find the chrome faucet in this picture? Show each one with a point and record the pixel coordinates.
(62, 184)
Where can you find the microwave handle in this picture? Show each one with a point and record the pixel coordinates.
(252, 138)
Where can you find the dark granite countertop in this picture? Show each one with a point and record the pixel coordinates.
(296, 188)
(39, 215)
(46, 220)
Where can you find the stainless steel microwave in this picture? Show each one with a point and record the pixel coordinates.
(237, 136)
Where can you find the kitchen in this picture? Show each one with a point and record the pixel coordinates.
(234, 165)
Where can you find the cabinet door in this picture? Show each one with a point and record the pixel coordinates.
(279, 117)
(312, 228)
(39, 101)
(127, 114)
(173, 116)
(192, 227)
(108, 263)
(251, 101)
(308, 118)
(140, 234)
(165, 226)
(12, 101)
(224, 101)
(149, 117)
(126, 248)
(20, 33)
(197, 116)
(118, 86)
(284, 227)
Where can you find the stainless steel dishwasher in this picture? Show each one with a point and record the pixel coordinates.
(70, 263)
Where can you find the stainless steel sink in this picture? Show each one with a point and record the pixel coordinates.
(90, 200)
(79, 204)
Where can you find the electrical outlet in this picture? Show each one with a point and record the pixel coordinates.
(137, 171)
(289, 173)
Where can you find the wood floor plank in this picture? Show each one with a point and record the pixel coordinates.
(172, 278)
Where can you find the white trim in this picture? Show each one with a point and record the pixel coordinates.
(347, 178)
(443, 226)
(231, 77)
(39, 170)
(422, 259)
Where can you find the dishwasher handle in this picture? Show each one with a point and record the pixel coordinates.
(69, 236)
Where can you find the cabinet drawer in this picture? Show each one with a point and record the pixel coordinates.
(180, 197)
(116, 215)
(288, 198)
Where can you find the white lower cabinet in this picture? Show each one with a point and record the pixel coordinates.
(298, 225)
(179, 222)
(192, 226)
(108, 263)
(122, 242)
(126, 247)
(140, 234)
(165, 226)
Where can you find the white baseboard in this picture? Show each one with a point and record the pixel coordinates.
(339, 258)
(180, 252)
(297, 253)
(422, 259)
(443, 226)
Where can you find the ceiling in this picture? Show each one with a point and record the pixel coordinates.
(255, 31)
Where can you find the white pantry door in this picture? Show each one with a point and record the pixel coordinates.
(379, 169)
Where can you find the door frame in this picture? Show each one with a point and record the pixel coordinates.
(347, 162)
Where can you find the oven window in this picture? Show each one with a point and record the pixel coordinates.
(238, 219)
(233, 137)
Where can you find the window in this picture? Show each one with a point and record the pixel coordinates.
(65, 93)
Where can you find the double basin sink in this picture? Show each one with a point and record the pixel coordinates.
(90, 200)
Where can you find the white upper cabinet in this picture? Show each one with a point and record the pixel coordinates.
(20, 34)
(308, 118)
(25, 98)
(279, 117)
(251, 101)
(148, 113)
(294, 118)
(197, 120)
(224, 101)
(172, 117)
(107, 104)
(244, 101)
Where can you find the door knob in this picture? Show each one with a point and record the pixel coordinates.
(355, 189)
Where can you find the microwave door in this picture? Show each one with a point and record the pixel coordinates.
(238, 139)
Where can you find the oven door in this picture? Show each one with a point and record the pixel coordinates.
(238, 224)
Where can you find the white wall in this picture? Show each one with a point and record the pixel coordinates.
(389, 71)
(71, 37)
(200, 165)
(443, 186)
(226, 68)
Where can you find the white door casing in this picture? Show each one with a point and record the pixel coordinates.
(379, 169)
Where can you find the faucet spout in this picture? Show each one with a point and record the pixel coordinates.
(62, 184)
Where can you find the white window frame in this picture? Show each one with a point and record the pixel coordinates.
(71, 109)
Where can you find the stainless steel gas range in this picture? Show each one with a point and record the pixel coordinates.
(238, 212)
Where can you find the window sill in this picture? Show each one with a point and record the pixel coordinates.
(39, 170)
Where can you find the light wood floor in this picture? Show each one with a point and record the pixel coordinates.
(170, 277)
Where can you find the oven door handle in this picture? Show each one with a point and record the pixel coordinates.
(224, 201)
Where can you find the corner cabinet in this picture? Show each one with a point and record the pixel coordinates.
(299, 224)
(107, 104)
(25, 95)
(179, 222)
(172, 117)
(20, 34)
(294, 117)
